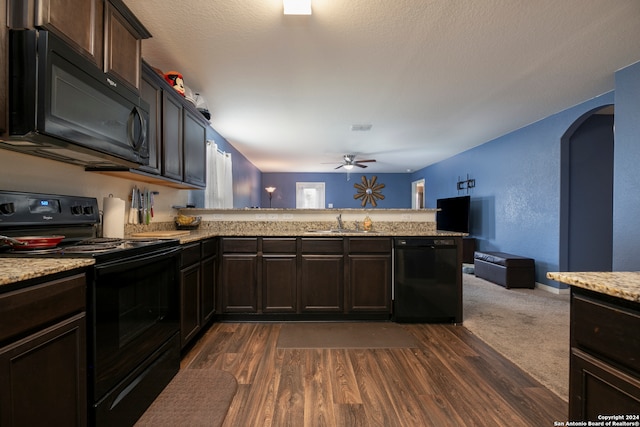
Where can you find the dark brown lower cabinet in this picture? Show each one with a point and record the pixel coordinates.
(43, 377)
(322, 275)
(305, 277)
(208, 277)
(197, 287)
(239, 275)
(322, 284)
(604, 376)
(279, 275)
(369, 272)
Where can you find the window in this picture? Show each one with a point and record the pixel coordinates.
(219, 191)
(309, 195)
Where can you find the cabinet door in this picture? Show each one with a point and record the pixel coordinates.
(189, 303)
(279, 281)
(322, 283)
(239, 283)
(597, 388)
(123, 48)
(195, 139)
(78, 22)
(208, 291)
(43, 377)
(152, 94)
(171, 136)
(369, 283)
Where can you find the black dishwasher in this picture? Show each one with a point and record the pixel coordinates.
(427, 280)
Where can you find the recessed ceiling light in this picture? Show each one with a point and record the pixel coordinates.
(361, 127)
(297, 7)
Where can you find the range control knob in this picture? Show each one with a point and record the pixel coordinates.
(7, 208)
(76, 210)
(88, 210)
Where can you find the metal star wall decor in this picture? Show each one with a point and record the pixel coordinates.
(368, 191)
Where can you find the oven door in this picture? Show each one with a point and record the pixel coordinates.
(135, 311)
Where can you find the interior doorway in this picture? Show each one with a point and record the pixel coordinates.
(417, 194)
(586, 196)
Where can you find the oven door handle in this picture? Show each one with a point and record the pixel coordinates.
(135, 262)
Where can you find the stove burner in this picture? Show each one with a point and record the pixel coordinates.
(102, 240)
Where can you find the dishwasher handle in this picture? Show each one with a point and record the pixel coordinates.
(422, 242)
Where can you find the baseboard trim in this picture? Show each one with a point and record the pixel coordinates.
(552, 289)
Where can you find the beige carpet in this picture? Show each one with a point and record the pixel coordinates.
(344, 335)
(530, 327)
(195, 397)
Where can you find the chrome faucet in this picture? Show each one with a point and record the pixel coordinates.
(340, 225)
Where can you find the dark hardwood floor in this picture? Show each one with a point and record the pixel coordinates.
(451, 379)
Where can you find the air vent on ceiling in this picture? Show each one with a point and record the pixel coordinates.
(360, 127)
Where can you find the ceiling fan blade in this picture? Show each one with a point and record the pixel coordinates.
(359, 165)
(365, 161)
(339, 166)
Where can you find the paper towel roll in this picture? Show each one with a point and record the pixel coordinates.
(113, 217)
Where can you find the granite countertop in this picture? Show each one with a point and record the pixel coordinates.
(14, 270)
(620, 284)
(202, 234)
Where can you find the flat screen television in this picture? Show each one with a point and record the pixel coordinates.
(453, 214)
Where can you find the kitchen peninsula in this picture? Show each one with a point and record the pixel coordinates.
(604, 371)
(294, 264)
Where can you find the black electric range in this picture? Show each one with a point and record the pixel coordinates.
(132, 310)
(76, 218)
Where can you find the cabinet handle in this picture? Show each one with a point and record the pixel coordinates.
(138, 144)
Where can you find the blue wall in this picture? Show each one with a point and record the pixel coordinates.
(338, 191)
(626, 170)
(515, 205)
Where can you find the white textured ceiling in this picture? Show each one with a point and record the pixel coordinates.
(433, 77)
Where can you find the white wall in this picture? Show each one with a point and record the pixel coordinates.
(21, 172)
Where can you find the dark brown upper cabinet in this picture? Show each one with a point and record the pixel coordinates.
(106, 32)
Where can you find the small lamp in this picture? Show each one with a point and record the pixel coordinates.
(270, 190)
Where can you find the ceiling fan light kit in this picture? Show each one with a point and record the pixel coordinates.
(349, 161)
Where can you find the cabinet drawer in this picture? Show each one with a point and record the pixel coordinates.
(209, 248)
(603, 329)
(369, 245)
(190, 254)
(322, 246)
(285, 245)
(29, 308)
(240, 245)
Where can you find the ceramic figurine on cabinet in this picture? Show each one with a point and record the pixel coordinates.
(175, 79)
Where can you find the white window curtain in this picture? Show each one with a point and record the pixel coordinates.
(219, 192)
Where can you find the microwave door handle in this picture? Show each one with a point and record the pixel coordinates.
(136, 143)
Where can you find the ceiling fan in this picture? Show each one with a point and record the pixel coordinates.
(350, 161)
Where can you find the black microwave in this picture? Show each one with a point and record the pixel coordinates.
(63, 107)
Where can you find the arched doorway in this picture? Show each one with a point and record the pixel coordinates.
(586, 195)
